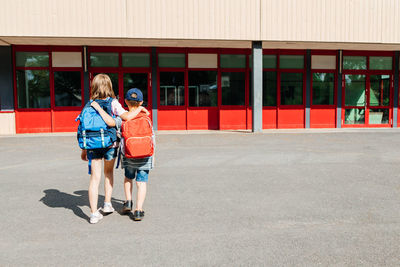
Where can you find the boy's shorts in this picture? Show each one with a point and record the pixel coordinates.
(141, 175)
(106, 153)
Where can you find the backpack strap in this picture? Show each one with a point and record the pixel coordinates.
(119, 157)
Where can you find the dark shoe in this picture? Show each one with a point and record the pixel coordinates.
(127, 207)
(138, 215)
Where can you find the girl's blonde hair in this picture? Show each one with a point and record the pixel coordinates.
(101, 87)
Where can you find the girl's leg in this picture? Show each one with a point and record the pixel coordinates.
(108, 179)
(94, 184)
(141, 194)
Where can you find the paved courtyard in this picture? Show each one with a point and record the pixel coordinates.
(281, 198)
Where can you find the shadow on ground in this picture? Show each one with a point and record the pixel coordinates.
(55, 199)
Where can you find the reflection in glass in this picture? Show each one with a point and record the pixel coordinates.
(114, 81)
(291, 61)
(137, 80)
(172, 89)
(171, 60)
(233, 88)
(136, 60)
(354, 116)
(67, 88)
(354, 63)
(291, 89)
(104, 60)
(269, 88)
(380, 90)
(32, 59)
(233, 61)
(379, 116)
(323, 89)
(203, 89)
(355, 90)
(380, 63)
(33, 88)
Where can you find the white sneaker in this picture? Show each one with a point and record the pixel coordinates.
(96, 217)
(108, 208)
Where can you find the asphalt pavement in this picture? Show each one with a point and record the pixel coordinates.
(296, 198)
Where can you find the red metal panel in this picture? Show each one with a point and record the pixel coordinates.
(33, 121)
(269, 118)
(249, 123)
(291, 118)
(203, 119)
(232, 118)
(323, 117)
(64, 121)
(172, 119)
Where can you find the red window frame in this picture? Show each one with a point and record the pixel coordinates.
(120, 70)
(51, 69)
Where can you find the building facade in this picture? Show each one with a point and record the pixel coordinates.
(203, 64)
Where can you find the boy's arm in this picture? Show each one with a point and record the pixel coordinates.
(132, 114)
(107, 118)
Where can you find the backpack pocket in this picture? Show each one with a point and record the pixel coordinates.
(139, 147)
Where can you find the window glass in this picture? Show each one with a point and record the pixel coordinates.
(114, 82)
(33, 88)
(172, 89)
(171, 60)
(354, 63)
(354, 90)
(203, 89)
(32, 59)
(233, 88)
(203, 60)
(354, 116)
(233, 61)
(136, 60)
(291, 61)
(269, 88)
(380, 90)
(104, 60)
(291, 89)
(323, 62)
(137, 80)
(379, 116)
(66, 59)
(323, 88)
(269, 61)
(380, 63)
(67, 88)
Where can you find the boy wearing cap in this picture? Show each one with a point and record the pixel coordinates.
(135, 168)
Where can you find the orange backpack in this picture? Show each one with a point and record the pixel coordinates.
(138, 137)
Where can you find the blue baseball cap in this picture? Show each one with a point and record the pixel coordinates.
(130, 95)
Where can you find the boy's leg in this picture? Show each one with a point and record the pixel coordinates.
(128, 189)
(130, 174)
(141, 184)
(141, 194)
(94, 184)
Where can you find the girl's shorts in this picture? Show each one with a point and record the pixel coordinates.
(100, 153)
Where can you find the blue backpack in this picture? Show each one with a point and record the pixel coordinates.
(93, 132)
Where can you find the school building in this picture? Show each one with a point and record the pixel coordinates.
(203, 64)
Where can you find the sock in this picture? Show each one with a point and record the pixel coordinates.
(107, 204)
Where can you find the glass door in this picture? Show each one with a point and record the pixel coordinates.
(367, 99)
(379, 99)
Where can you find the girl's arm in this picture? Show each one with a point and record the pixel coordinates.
(107, 118)
(132, 114)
